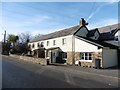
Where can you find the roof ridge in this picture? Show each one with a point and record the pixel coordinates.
(60, 30)
(71, 30)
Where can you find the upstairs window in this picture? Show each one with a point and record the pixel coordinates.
(33, 45)
(42, 44)
(38, 44)
(47, 43)
(64, 41)
(29, 46)
(54, 42)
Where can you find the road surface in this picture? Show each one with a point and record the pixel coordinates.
(24, 74)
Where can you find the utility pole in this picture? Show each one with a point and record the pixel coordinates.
(5, 37)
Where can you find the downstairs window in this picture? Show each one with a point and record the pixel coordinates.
(85, 56)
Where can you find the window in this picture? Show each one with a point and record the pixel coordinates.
(54, 42)
(47, 43)
(42, 44)
(38, 44)
(33, 45)
(64, 55)
(29, 46)
(86, 56)
(64, 41)
(82, 56)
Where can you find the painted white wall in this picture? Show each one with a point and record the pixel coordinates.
(66, 48)
(82, 46)
(118, 34)
(109, 58)
(78, 45)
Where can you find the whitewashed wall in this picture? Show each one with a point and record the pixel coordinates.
(118, 34)
(82, 46)
(109, 58)
(66, 48)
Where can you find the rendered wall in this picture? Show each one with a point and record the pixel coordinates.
(109, 58)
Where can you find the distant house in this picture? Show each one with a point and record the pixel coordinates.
(78, 44)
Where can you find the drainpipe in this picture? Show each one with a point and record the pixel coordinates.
(73, 49)
(118, 57)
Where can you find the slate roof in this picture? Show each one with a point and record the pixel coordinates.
(109, 28)
(113, 32)
(106, 36)
(91, 32)
(65, 32)
(72, 30)
(95, 42)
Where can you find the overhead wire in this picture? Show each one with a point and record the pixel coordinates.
(91, 11)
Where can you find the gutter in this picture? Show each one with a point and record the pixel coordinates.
(73, 49)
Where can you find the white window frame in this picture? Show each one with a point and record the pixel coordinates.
(64, 41)
(38, 44)
(33, 45)
(54, 42)
(42, 43)
(48, 42)
(84, 57)
(29, 45)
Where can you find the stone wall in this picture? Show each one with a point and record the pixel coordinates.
(86, 64)
(70, 60)
(95, 55)
(77, 56)
(41, 61)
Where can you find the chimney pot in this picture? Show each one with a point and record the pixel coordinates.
(83, 22)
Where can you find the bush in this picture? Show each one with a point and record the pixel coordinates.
(5, 48)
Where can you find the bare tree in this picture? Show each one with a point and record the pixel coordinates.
(24, 37)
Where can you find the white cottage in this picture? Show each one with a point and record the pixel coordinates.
(76, 44)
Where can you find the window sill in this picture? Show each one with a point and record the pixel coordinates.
(65, 59)
(47, 57)
(85, 60)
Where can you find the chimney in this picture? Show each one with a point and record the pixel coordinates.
(83, 22)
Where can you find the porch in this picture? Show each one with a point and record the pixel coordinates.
(55, 55)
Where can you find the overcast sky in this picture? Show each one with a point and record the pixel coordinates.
(43, 18)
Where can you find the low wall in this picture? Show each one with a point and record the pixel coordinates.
(41, 61)
(91, 63)
(86, 64)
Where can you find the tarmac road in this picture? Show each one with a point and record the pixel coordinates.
(23, 74)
